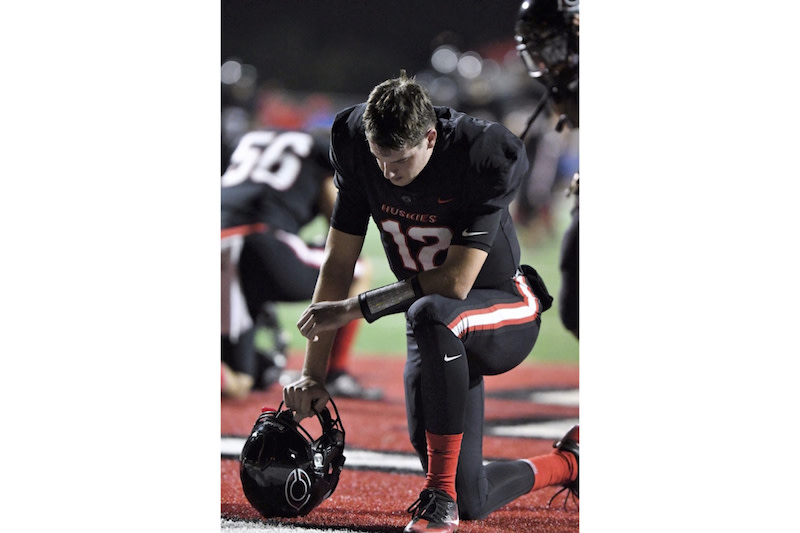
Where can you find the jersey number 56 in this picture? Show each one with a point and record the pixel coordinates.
(268, 157)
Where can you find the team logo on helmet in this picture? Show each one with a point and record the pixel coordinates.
(297, 488)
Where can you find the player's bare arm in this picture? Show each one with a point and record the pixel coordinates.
(327, 197)
(457, 274)
(308, 394)
(330, 308)
(453, 279)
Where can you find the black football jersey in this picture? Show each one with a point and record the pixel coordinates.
(275, 177)
(460, 197)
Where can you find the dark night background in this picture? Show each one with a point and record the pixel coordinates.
(351, 45)
(294, 63)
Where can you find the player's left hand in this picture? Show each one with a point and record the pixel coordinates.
(327, 316)
(305, 397)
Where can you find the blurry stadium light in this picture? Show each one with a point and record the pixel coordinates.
(470, 65)
(444, 59)
(491, 69)
(231, 72)
(249, 77)
(444, 91)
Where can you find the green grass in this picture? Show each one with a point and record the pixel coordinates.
(386, 337)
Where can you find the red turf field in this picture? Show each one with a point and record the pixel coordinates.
(375, 499)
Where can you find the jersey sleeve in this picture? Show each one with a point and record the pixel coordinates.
(498, 164)
(351, 211)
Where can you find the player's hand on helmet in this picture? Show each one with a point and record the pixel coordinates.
(306, 397)
(327, 316)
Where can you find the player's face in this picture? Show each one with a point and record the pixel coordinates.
(401, 167)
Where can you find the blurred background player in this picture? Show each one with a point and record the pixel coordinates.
(547, 35)
(277, 182)
(547, 150)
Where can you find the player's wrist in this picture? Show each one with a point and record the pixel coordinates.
(389, 299)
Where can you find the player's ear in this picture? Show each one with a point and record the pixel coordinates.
(430, 137)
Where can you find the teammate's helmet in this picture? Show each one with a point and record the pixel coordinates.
(284, 470)
(546, 33)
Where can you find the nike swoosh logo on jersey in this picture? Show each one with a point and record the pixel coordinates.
(444, 200)
(448, 358)
(467, 233)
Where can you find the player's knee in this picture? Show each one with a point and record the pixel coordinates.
(469, 507)
(425, 311)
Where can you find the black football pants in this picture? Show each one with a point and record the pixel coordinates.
(452, 344)
(277, 267)
(274, 266)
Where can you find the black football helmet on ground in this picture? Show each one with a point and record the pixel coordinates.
(285, 472)
(547, 36)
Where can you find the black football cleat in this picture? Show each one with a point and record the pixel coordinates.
(569, 443)
(433, 512)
